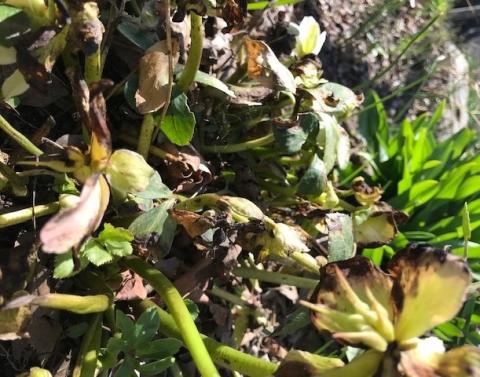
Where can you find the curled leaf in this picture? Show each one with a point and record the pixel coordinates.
(460, 362)
(305, 364)
(364, 194)
(423, 278)
(68, 228)
(264, 66)
(334, 99)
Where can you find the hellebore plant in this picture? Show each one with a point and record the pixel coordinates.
(101, 172)
(361, 305)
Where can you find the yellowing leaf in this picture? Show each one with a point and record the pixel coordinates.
(128, 172)
(153, 77)
(68, 228)
(429, 289)
(306, 364)
(14, 85)
(8, 55)
(352, 301)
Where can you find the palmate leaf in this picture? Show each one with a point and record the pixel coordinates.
(146, 326)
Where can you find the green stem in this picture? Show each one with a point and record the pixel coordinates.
(194, 54)
(275, 277)
(306, 261)
(19, 138)
(157, 152)
(93, 67)
(73, 303)
(86, 363)
(229, 297)
(234, 148)
(22, 215)
(181, 315)
(223, 355)
(145, 137)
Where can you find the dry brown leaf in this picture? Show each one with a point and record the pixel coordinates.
(264, 67)
(68, 228)
(153, 77)
(132, 287)
(193, 223)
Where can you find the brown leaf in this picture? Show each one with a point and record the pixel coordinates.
(132, 287)
(154, 75)
(68, 228)
(193, 223)
(188, 171)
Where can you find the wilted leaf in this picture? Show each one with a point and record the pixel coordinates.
(179, 122)
(71, 226)
(376, 225)
(364, 194)
(460, 362)
(340, 237)
(264, 67)
(424, 278)
(153, 77)
(352, 301)
(8, 55)
(193, 223)
(131, 288)
(13, 323)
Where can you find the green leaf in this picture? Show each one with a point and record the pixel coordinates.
(340, 237)
(119, 248)
(291, 137)
(64, 265)
(209, 80)
(146, 326)
(129, 90)
(136, 35)
(179, 122)
(328, 137)
(159, 348)
(156, 367)
(192, 308)
(95, 253)
(156, 222)
(7, 11)
(295, 321)
(126, 326)
(127, 368)
(111, 233)
(156, 189)
(314, 180)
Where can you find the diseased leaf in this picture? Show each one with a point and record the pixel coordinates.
(179, 122)
(68, 228)
(306, 364)
(460, 362)
(353, 303)
(156, 222)
(153, 77)
(264, 67)
(334, 99)
(314, 181)
(340, 237)
(424, 278)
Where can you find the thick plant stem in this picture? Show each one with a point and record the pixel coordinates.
(275, 277)
(234, 148)
(223, 355)
(86, 363)
(175, 304)
(194, 54)
(306, 261)
(145, 137)
(73, 303)
(19, 138)
(22, 215)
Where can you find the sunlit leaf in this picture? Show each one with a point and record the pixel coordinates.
(179, 122)
(424, 277)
